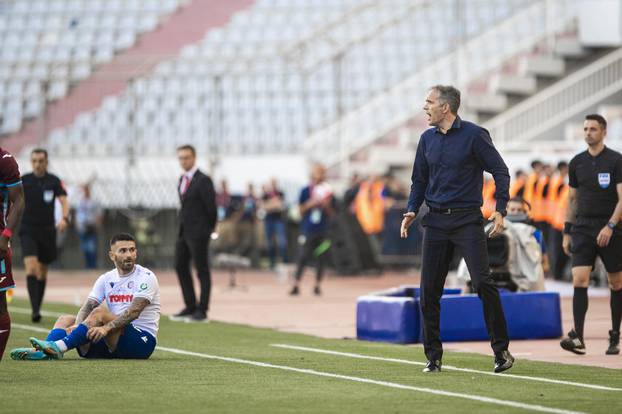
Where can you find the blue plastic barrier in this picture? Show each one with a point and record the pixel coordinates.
(391, 316)
(395, 316)
(529, 315)
(387, 319)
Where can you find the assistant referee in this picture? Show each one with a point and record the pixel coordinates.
(593, 228)
(38, 231)
(448, 173)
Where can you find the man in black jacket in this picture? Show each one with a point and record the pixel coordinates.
(197, 220)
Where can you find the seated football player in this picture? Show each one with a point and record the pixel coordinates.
(125, 327)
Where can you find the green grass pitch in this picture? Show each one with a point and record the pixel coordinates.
(322, 383)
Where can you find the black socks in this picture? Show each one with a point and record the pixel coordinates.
(579, 309)
(616, 309)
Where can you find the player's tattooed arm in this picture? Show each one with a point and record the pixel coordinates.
(131, 313)
(86, 310)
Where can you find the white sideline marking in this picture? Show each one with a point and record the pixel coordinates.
(29, 328)
(514, 404)
(448, 367)
(28, 312)
(478, 398)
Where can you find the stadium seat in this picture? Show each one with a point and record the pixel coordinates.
(40, 39)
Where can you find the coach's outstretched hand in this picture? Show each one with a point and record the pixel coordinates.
(497, 227)
(406, 222)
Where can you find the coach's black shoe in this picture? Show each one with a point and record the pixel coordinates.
(503, 361)
(199, 316)
(614, 343)
(573, 343)
(433, 366)
(295, 291)
(35, 317)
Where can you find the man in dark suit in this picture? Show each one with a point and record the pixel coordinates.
(197, 220)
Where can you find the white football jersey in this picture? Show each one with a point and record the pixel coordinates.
(119, 291)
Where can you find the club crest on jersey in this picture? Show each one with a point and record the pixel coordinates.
(604, 179)
(143, 286)
(111, 285)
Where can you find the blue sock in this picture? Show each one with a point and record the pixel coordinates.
(77, 337)
(56, 334)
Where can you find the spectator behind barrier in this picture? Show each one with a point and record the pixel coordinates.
(525, 256)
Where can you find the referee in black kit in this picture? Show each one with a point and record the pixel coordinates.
(593, 228)
(38, 230)
(448, 173)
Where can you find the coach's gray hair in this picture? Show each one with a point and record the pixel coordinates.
(447, 94)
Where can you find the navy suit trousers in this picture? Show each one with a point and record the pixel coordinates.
(443, 233)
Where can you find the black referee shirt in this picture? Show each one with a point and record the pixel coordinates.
(39, 195)
(595, 179)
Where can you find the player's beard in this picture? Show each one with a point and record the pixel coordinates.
(126, 265)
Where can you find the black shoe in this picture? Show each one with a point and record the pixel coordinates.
(433, 366)
(503, 361)
(317, 291)
(614, 343)
(199, 316)
(295, 291)
(573, 343)
(182, 316)
(36, 317)
(185, 312)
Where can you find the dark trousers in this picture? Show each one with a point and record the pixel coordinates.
(443, 233)
(88, 244)
(558, 258)
(195, 250)
(309, 252)
(276, 237)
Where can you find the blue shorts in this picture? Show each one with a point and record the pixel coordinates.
(134, 343)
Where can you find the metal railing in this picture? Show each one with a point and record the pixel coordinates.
(527, 121)
(361, 127)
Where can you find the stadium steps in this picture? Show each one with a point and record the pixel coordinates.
(187, 25)
(517, 80)
(532, 73)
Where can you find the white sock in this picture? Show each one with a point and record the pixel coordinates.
(61, 345)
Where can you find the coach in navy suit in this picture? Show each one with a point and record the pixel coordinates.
(197, 220)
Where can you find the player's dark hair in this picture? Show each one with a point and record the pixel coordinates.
(449, 95)
(121, 237)
(188, 147)
(518, 173)
(521, 200)
(598, 118)
(40, 151)
(562, 164)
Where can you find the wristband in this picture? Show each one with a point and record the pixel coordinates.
(611, 225)
(567, 227)
(8, 233)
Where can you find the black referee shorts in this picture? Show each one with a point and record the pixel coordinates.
(584, 248)
(40, 242)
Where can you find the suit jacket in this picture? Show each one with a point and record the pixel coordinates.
(198, 215)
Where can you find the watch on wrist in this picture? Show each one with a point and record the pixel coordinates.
(503, 212)
(611, 225)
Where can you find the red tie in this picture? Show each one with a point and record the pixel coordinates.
(185, 183)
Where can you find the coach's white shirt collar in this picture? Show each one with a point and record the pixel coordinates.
(190, 174)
